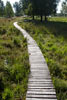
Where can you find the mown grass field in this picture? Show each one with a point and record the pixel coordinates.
(14, 62)
(51, 37)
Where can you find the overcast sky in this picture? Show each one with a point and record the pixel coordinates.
(12, 1)
(59, 6)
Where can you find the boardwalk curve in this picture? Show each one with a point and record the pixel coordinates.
(40, 86)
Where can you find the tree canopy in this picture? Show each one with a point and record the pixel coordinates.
(39, 7)
(17, 7)
(2, 8)
(8, 10)
(64, 8)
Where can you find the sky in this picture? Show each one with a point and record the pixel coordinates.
(12, 1)
(59, 6)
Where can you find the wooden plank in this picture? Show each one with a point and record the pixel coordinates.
(42, 90)
(41, 96)
(39, 99)
(41, 87)
(34, 70)
(40, 93)
(39, 82)
(39, 78)
(43, 80)
(39, 71)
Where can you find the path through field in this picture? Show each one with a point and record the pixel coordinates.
(40, 86)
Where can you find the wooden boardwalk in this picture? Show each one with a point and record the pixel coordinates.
(40, 86)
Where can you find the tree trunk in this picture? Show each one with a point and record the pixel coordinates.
(45, 18)
(33, 17)
(41, 18)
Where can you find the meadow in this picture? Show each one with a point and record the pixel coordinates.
(14, 62)
(51, 36)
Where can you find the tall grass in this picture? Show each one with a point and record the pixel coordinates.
(14, 62)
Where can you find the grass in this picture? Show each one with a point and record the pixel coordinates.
(51, 37)
(58, 19)
(14, 62)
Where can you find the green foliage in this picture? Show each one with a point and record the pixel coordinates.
(2, 30)
(64, 8)
(28, 11)
(9, 13)
(61, 88)
(17, 8)
(2, 8)
(14, 63)
(17, 42)
(7, 94)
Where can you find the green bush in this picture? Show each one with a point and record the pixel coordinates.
(17, 42)
(61, 88)
(17, 72)
(55, 69)
(2, 30)
(7, 94)
(13, 30)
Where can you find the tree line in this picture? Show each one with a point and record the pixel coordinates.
(37, 7)
(6, 11)
(32, 8)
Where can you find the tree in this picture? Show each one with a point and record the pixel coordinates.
(39, 7)
(64, 8)
(8, 10)
(2, 8)
(24, 5)
(18, 11)
(44, 8)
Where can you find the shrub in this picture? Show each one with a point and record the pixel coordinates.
(2, 30)
(55, 69)
(7, 94)
(17, 42)
(13, 30)
(61, 88)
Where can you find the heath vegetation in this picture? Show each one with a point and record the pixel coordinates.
(14, 62)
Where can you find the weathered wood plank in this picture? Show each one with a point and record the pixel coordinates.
(40, 80)
(39, 99)
(42, 90)
(40, 93)
(41, 96)
(40, 85)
